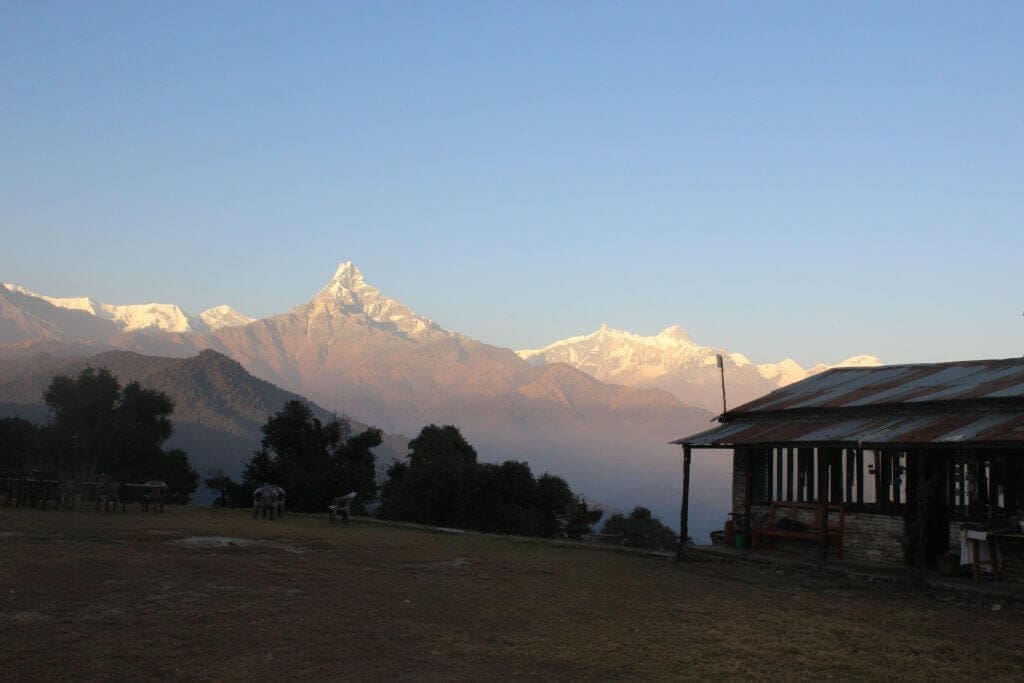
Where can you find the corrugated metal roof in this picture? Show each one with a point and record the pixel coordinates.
(988, 428)
(897, 385)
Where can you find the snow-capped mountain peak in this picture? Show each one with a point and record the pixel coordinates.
(861, 361)
(166, 317)
(673, 361)
(348, 293)
(347, 275)
(676, 334)
(224, 316)
(782, 373)
(129, 317)
(82, 303)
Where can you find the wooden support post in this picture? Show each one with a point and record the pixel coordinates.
(748, 524)
(778, 473)
(1012, 486)
(994, 477)
(981, 487)
(921, 523)
(859, 473)
(851, 461)
(834, 461)
(790, 456)
(899, 478)
(886, 481)
(877, 457)
(950, 482)
(805, 462)
(684, 510)
(823, 502)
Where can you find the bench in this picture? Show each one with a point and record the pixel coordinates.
(808, 528)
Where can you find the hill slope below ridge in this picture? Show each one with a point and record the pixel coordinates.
(352, 349)
(219, 407)
(674, 362)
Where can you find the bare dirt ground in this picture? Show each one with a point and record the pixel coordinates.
(213, 594)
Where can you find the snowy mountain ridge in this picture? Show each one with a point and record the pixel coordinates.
(141, 317)
(673, 361)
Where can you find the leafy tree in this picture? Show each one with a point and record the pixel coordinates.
(441, 483)
(262, 467)
(581, 519)
(230, 493)
(313, 461)
(357, 467)
(395, 502)
(436, 486)
(84, 415)
(19, 444)
(98, 426)
(505, 499)
(554, 499)
(177, 473)
(141, 424)
(641, 529)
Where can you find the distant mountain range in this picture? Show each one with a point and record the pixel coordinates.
(142, 317)
(352, 349)
(674, 362)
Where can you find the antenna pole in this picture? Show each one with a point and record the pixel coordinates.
(721, 371)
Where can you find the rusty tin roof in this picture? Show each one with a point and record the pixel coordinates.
(897, 384)
(947, 430)
(968, 402)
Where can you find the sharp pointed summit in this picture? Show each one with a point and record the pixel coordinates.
(347, 273)
(348, 296)
(346, 278)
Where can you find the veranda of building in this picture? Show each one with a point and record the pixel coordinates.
(911, 453)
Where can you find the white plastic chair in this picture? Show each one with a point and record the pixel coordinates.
(342, 505)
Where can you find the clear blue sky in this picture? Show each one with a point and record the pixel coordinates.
(785, 179)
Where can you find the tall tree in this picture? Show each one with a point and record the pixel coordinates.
(642, 529)
(441, 483)
(437, 486)
(18, 444)
(562, 511)
(229, 492)
(98, 426)
(83, 411)
(356, 467)
(313, 461)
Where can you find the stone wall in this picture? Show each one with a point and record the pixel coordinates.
(871, 538)
(868, 538)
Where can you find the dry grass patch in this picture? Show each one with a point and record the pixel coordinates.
(131, 596)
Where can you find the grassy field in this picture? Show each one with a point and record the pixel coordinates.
(133, 595)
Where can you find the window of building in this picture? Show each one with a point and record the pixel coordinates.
(861, 477)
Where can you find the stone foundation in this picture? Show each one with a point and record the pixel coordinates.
(868, 538)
